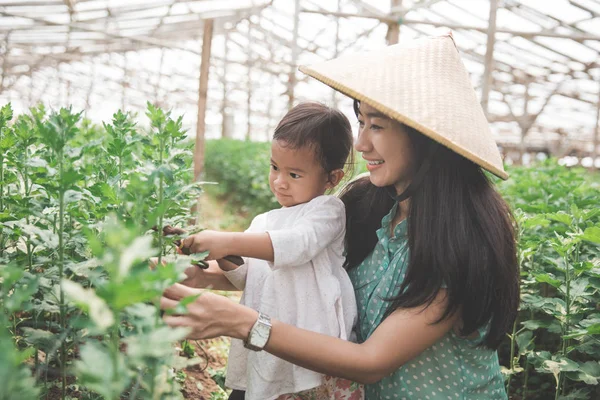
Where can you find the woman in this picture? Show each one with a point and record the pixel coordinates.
(430, 244)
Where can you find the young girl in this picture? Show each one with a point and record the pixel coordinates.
(430, 244)
(293, 257)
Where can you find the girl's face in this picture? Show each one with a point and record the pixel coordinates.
(296, 176)
(387, 148)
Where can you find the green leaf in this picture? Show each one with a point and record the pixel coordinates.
(102, 371)
(549, 279)
(592, 234)
(87, 300)
(535, 324)
(140, 250)
(594, 329)
(524, 342)
(588, 372)
(560, 216)
(579, 287)
(17, 382)
(37, 337)
(155, 344)
(534, 221)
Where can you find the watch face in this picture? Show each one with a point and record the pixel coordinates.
(261, 335)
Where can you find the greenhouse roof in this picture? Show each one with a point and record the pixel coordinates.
(100, 55)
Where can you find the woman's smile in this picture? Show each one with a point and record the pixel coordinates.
(374, 164)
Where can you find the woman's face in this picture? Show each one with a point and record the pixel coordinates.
(387, 148)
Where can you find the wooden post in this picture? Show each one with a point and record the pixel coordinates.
(5, 52)
(524, 124)
(202, 92)
(335, 52)
(30, 94)
(293, 66)
(249, 83)
(489, 57)
(595, 151)
(393, 33)
(224, 127)
(125, 83)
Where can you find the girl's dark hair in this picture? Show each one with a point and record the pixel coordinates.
(325, 129)
(461, 237)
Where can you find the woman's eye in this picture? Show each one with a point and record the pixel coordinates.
(361, 123)
(274, 167)
(295, 176)
(376, 127)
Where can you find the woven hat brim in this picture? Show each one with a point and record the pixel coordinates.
(405, 120)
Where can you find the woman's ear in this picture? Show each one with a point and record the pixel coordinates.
(334, 178)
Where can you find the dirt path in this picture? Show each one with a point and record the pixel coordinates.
(216, 214)
(199, 384)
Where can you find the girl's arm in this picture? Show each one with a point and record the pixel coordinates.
(322, 223)
(212, 278)
(402, 336)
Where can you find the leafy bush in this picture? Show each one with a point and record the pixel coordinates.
(554, 347)
(241, 169)
(77, 208)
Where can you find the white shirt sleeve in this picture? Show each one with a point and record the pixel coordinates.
(323, 222)
(238, 276)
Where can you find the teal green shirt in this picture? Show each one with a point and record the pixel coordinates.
(453, 368)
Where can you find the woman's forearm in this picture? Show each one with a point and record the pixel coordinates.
(399, 338)
(322, 353)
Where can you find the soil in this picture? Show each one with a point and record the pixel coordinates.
(198, 384)
(217, 360)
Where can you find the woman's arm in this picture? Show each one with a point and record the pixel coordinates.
(400, 337)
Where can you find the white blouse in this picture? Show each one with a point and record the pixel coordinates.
(305, 286)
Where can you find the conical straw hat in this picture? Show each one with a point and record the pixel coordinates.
(422, 84)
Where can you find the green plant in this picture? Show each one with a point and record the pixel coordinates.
(76, 206)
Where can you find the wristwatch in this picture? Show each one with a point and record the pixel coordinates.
(259, 334)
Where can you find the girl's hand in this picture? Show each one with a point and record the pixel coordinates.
(213, 241)
(210, 315)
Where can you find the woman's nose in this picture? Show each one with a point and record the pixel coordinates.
(362, 143)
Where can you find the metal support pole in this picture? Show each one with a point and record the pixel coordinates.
(489, 57)
(387, 19)
(202, 94)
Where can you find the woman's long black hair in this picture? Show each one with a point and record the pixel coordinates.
(461, 234)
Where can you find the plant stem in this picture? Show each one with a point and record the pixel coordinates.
(512, 356)
(115, 350)
(119, 207)
(565, 328)
(61, 211)
(160, 201)
(1, 198)
(1, 182)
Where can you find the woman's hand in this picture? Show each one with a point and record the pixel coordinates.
(213, 241)
(210, 315)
